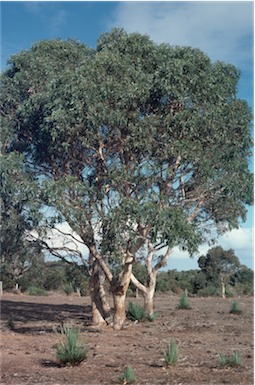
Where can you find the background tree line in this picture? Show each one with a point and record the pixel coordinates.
(60, 276)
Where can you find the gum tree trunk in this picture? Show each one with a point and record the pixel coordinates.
(119, 290)
(149, 290)
(149, 296)
(100, 307)
(223, 286)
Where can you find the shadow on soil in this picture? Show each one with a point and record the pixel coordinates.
(38, 315)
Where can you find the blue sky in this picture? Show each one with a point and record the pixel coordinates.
(224, 30)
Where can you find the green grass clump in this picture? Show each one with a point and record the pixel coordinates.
(37, 291)
(184, 302)
(135, 312)
(223, 360)
(128, 377)
(171, 354)
(235, 309)
(69, 351)
(68, 289)
(234, 360)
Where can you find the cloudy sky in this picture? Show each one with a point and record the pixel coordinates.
(222, 29)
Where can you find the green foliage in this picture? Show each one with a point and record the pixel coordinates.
(235, 309)
(218, 262)
(234, 360)
(209, 291)
(128, 377)
(20, 213)
(184, 302)
(171, 354)
(195, 282)
(135, 312)
(54, 275)
(77, 277)
(134, 135)
(222, 359)
(68, 288)
(69, 351)
(36, 291)
(243, 281)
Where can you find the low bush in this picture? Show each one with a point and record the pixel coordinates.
(235, 309)
(135, 312)
(68, 289)
(69, 351)
(184, 302)
(37, 291)
(209, 291)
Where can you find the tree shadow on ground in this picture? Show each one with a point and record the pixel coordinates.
(37, 318)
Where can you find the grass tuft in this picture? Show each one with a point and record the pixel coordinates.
(235, 309)
(36, 291)
(135, 312)
(234, 360)
(171, 354)
(222, 359)
(68, 289)
(128, 377)
(69, 351)
(184, 302)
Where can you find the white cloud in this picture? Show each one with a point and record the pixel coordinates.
(64, 241)
(223, 30)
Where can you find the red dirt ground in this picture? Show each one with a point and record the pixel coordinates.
(28, 351)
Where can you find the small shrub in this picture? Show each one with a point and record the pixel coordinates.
(135, 312)
(69, 351)
(171, 354)
(209, 291)
(235, 309)
(234, 360)
(128, 377)
(37, 291)
(184, 302)
(68, 289)
(222, 359)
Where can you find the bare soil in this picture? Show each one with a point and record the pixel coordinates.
(29, 350)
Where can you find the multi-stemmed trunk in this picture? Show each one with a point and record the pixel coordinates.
(149, 289)
(119, 292)
(100, 307)
(119, 286)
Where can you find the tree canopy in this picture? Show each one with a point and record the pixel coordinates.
(218, 261)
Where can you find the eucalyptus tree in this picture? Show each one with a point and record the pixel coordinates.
(218, 265)
(131, 142)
